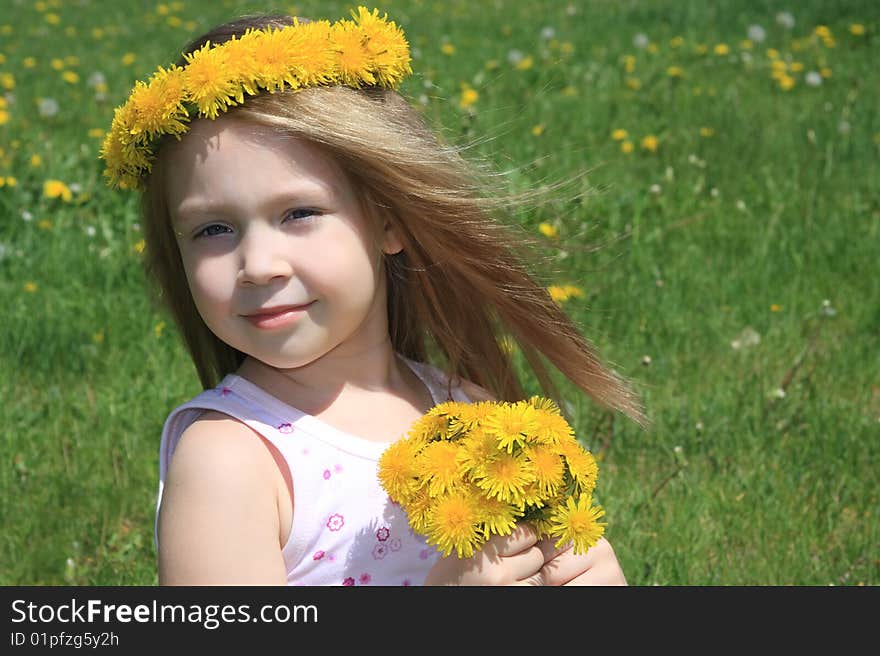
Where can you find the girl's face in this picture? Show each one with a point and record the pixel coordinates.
(279, 257)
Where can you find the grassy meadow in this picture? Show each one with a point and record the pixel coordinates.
(718, 238)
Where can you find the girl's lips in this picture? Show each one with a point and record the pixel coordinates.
(277, 317)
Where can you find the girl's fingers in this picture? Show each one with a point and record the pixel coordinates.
(521, 539)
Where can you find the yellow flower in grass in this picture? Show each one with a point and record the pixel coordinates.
(505, 476)
(857, 29)
(452, 524)
(619, 134)
(57, 189)
(650, 143)
(578, 522)
(438, 464)
(548, 230)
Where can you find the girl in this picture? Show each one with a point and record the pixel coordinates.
(318, 247)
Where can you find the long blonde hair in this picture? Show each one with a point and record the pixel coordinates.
(458, 292)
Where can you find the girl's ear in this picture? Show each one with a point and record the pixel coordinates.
(391, 244)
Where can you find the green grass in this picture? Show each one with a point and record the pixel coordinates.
(751, 225)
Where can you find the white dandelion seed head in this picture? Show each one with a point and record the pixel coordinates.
(741, 205)
(47, 107)
(757, 33)
(778, 393)
(714, 192)
(813, 79)
(515, 56)
(96, 79)
(785, 19)
(27, 216)
(641, 40)
(699, 426)
(90, 231)
(844, 127)
(646, 360)
(656, 189)
(548, 33)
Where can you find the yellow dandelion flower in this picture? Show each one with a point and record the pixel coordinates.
(158, 328)
(452, 525)
(504, 476)
(44, 224)
(97, 133)
(706, 132)
(353, 58)
(128, 59)
(398, 473)
(722, 49)
(775, 308)
(140, 246)
(633, 83)
(619, 134)
(825, 72)
(29, 62)
(552, 428)
(511, 424)
(418, 511)
(430, 426)
(98, 337)
(650, 143)
(578, 522)
(11, 181)
(4, 116)
(208, 77)
(30, 286)
(581, 465)
(786, 82)
(70, 77)
(772, 53)
(447, 49)
(496, 517)
(629, 63)
(158, 106)
(676, 42)
(548, 230)
(476, 448)
(537, 130)
(468, 96)
(57, 189)
(52, 19)
(857, 29)
(547, 467)
(439, 467)
(468, 417)
(525, 63)
(558, 293)
(675, 71)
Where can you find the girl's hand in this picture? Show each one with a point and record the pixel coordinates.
(514, 559)
(598, 566)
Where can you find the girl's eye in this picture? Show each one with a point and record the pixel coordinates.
(301, 215)
(213, 230)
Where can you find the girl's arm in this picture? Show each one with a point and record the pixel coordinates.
(218, 521)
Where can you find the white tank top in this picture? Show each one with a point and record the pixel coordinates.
(345, 529)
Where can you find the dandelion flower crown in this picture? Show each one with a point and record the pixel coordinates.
(369, 50)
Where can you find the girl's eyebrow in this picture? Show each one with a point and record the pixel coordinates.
(194, 207)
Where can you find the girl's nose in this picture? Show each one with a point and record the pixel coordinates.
(263, 257)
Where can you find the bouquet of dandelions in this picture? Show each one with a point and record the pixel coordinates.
(467, 471)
